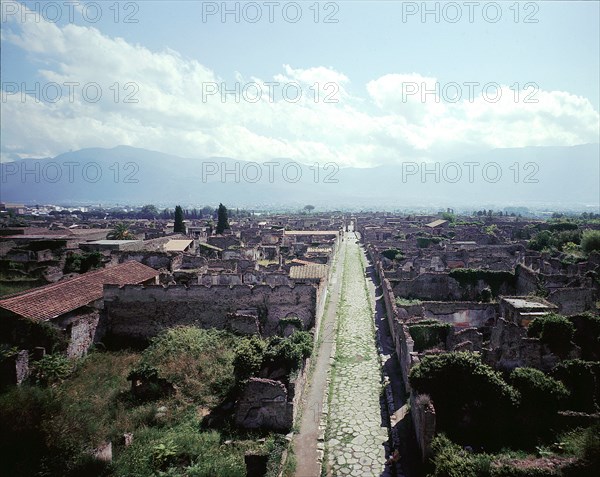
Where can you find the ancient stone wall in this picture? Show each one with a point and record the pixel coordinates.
(264, 405)
(423, 416)
(142, 312)
(429, 286)
(527, 280)
(14, 369)
(156, 260)
(571, 301)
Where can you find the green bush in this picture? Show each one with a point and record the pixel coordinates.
(538, 389)
(580, 379)
(540, 394)
(51, 369)
(505, 470)
(554, 240)
(249, 355)
(556, 331)
(562, 226)
(541, 399)
(288, 352)
(23, 410)
(199, 362)
(425, 242)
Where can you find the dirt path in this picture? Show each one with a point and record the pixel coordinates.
(306, 442)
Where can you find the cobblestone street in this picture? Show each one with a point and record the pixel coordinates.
(356, 434)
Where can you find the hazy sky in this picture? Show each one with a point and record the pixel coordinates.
(360, 83)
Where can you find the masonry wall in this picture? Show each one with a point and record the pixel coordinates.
(527, 280)
(462, 314)
(571, 301)
(138, 312)
(156, 260)
(81, 334)
(423, 416)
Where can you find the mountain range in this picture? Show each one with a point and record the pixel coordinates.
(532, 176)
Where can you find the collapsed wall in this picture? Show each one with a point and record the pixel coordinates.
(141, 312)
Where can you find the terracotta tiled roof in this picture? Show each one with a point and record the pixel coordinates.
(50, 301)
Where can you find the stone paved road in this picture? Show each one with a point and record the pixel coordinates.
(355, 435)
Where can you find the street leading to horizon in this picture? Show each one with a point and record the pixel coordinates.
(355, 435)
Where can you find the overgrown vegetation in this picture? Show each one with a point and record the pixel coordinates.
(200, 363)
(472, 401)
(556, 331)
(590, 241)
(255, 354)
(408, 301)
(452, 460)
(81, 263)
(393, 254)
(582, 379)
(495, 279)
(425, 242)
(52, 369)
(541, 397)
(79, 405)
(548, 240)
(429, 334)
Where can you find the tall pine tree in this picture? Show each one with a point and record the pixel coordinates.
(179, 226)
(222, 220)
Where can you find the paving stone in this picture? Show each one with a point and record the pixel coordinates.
(355, 416)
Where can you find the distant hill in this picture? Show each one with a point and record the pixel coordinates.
(566, 176)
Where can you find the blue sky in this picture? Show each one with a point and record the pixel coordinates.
(371, 56)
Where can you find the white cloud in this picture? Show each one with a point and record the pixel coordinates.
(175, 113)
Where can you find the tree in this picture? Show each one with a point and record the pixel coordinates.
(222, 219)
(149, 211)
(179, 226)
(590, 241)
(309, 208)
(120, 232)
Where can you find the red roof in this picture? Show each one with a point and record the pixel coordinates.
(50, 301)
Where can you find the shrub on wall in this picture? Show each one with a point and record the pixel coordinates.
(556, 331)
(472, 401)
(253, 354)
